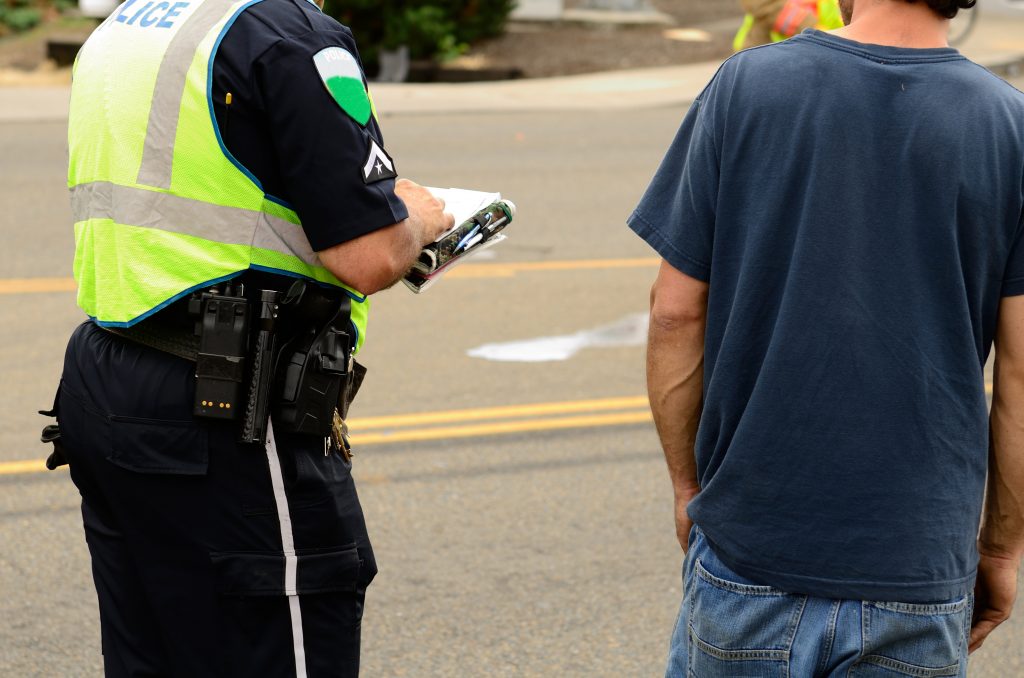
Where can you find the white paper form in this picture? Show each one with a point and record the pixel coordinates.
(463, 203)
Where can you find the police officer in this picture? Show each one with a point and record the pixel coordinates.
(221, 147)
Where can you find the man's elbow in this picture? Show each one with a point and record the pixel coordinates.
(674, 312)
(677, 318)
(1009, 379)
(365, 284)
(679, 302)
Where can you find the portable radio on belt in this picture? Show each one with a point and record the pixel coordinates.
(300, 365)
(223, 329)
(314, 366)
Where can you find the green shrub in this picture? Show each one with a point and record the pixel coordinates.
(22, 15)
(432, 29)
(477, 19)
(22, 18)
(421, 28)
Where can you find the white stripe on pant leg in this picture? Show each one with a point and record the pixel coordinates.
(288, 543)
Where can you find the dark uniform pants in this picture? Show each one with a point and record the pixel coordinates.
(211, 558)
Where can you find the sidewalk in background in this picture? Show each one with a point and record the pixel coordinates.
(996, 43)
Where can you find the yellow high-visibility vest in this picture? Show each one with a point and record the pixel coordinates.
(826, 11)
(161, 207)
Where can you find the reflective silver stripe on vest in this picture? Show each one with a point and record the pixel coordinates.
(152, 209)
(158, 151)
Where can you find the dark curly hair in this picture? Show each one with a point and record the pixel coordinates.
(947, 8)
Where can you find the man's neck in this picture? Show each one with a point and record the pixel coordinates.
(896, 23)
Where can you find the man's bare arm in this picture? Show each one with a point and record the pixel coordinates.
(377, 260)
(1001, 544)
(675, 379)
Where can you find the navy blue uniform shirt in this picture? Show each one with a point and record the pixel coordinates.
(857, 212)
(286, 130)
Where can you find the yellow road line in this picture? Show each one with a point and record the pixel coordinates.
(468, 270)
(424, 434)
(501, 428)
(10, 468)
(505, 412)
(508, 270)
(486, 429)
(31, 285)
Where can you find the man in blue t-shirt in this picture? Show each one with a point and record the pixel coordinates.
(840, 221)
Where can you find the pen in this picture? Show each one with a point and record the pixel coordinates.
(469, 236)
(492, 227)
(474, 240)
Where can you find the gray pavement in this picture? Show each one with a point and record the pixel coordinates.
(538, 554)
(533, 554)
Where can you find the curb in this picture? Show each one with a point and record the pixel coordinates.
(1009, 68)
(611, 90)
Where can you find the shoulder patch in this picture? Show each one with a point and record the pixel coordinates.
(378, 165)
(343, 79)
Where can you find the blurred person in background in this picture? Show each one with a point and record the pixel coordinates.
(769, 21)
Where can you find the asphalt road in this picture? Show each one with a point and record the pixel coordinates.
(520, 541)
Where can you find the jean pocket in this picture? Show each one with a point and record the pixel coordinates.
(906, 639)
(737, 629)
(158, 446)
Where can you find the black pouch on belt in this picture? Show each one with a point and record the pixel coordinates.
(314, 367)
(352, 383)
(51, 434)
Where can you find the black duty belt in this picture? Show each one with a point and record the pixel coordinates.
(163, 336)
(287, 352)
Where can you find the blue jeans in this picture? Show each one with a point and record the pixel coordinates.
(730, 627)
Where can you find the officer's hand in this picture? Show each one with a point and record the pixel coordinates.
(426, 213)
(379, 259)
(994, 594)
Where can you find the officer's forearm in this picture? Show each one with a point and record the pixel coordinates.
(675, 375)
(1002, 532)
(377, 260)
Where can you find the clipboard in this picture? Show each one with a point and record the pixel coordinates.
(480, 219)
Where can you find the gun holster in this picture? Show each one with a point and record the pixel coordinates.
(316, 369)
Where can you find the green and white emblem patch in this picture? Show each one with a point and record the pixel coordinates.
(344, 80)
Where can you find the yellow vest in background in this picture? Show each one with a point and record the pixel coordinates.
(791, 17)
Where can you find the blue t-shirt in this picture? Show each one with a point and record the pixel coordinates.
(857, 212)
